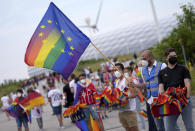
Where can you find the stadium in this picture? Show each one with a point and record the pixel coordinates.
(121, 41)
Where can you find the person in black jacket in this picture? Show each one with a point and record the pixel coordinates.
(68, 95)
(176, 76)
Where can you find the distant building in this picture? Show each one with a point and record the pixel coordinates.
(129, 39)
(126, 40)
(35, 71)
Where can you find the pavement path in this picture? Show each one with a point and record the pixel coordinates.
(51, 124)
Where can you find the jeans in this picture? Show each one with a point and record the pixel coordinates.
(159, 124)
(138, 108)
(89, 111)
(22, 120)
(170, 121)
(40, 122)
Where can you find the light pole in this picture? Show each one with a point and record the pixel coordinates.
(183, 51)
(156, 21)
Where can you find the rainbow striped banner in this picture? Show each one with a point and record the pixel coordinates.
(56, 44)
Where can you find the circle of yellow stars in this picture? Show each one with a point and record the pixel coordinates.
(41, 34)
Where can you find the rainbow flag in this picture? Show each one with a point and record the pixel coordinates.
(94, 124)
(56, 44)
(73, 109)
(82, 125)
(12, 110)
(32, 100)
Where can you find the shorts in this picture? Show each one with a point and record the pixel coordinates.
(128, 119)
(87, 111)
(20, 120)
(57, 110)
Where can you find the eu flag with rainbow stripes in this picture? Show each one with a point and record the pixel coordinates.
(56, 44)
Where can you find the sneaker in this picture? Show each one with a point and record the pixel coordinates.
(62, 127)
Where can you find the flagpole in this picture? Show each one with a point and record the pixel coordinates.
(114, 66)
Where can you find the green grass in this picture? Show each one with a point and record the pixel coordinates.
(6, 89)
(95, 64)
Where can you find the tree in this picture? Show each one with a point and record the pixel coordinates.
(184, 31)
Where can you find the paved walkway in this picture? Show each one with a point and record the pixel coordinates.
(51, 124)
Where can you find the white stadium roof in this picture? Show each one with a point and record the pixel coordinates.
(129, 39)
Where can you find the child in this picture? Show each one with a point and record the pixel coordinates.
(20, 113)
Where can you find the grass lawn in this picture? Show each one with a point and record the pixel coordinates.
(6, 89)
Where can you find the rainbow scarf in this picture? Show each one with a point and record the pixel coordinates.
(73, 109)
(111, 97)
(143, 113)
(166, 105)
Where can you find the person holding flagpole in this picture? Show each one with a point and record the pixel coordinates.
(128, 118)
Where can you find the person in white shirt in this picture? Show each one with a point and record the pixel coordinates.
(73, 84)
(55, 97)
(128, 72)
(13, 96)
(127, 118)
(5, 103)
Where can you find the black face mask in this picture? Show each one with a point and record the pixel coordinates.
(173, 60)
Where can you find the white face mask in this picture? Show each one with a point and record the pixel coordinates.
(126, 74)
(83, 81)
(117, 74)
(19, 94)
(144, 63)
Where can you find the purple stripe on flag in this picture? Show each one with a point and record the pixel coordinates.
(11, 110)
(78, 90)
(82, 125)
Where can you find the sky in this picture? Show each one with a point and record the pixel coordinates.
(19, 19)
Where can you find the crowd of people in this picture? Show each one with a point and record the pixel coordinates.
(147, 76)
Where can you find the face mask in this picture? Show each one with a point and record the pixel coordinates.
(117, 74)
(173, 60)
(144, 63)
(126, 74)
(83, 81)
(19, 94)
